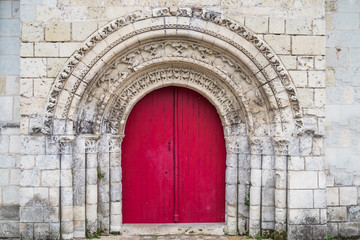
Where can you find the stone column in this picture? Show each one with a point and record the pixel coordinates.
(104, 185)
(79, 187)
(256, 145)
(281, 154)
(115, 183)
(91, 171)
(66, 189)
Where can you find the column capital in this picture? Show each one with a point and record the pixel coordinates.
(281, 145)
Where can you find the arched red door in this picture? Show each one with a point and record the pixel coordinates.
(173, 160)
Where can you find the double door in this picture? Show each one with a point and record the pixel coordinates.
(173, 160)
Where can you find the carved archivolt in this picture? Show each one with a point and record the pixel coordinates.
(274, 86)
(130, 93)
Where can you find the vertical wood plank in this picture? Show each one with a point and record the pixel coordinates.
(147, 163)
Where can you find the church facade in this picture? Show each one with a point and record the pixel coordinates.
(123, 113)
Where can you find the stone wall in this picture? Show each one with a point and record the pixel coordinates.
(342, 143)
(9, 118)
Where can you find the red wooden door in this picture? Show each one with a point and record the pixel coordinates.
(173, 160)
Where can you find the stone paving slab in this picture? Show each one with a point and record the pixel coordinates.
(175, 237)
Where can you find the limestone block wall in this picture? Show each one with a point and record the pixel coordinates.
(342, 142)
(9, 118)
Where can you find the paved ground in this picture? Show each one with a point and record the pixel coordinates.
(176, 237)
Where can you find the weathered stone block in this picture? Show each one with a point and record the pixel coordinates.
(32, 214)
(276, 25)
(306, 97)
(30, 178)
(300, 232)
(82, 30)
(54, 66)
(348, 196)
(319, 199)
(301, 199)
(32, 31)
(67, 49)
(54, 197)
(332, 196)
(9, 213)
(333, 229)
(59, 31)
(47, 161)
(257, 24)
(50, 178)
(308, 45)
(4, 177)
(11, 195)
(296, 163)
(33, 67)
(349, 229)
(9, 229)
(66, 196)
(298, 26)
(336, 214)
(314, 163)
(304, 216)
(279, 43)
(51, 214)
(303, 180)
(66, 178)
(289, 61)
(354, 213)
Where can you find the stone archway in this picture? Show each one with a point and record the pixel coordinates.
(234, 69)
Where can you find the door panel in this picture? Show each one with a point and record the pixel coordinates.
(173, 160)
(201, 155)
(147, 161)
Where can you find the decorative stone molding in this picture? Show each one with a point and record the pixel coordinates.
(144, 83)
(174, 20)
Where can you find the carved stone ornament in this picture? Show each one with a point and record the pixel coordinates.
(115, 143)
(281, 145)
(179, 49)
(168, 73)
(91, 144)
(256, 145)
(65, 144)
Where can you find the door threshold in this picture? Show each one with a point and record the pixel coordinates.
(174, 229)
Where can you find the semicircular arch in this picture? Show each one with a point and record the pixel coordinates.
(240, 55)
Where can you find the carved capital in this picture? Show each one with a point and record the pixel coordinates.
(281, 145)
(91, 143)
(256, 145)
(65, 144)
(115, 143)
